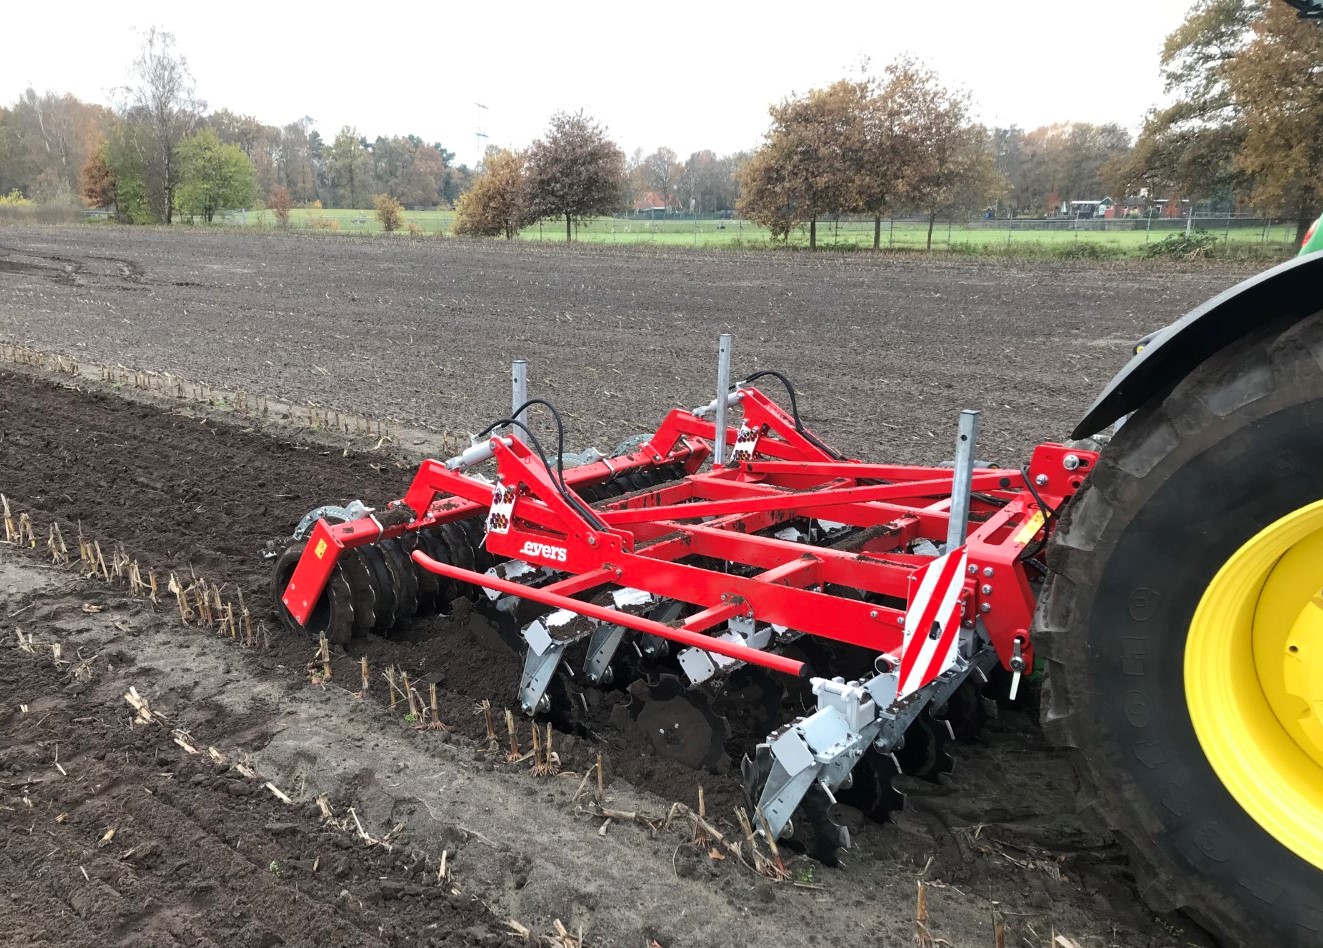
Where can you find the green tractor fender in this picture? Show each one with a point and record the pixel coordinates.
(1288, 292)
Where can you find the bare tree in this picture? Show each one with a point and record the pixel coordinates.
(710, 183)
(661, 174)
(349, 166)
(161, 95)
(46, 141)
(299, 159)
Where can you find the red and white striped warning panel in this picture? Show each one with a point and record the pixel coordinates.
(932, 622)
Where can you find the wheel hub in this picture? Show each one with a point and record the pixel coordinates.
(1254, 679)
(1288, 644)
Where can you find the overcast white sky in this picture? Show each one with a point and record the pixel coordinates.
(686, 74)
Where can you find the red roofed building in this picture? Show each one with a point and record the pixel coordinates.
(652, 201)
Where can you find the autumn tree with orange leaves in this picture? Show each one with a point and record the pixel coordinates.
(496, 205)
(1246, 112)
(575, 172)
(870, 147)
(809, 163)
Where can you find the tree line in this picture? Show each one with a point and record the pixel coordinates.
(868, 146)
(1244, 131)
(160, 153)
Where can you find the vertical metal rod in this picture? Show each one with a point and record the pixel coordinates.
(962, 479)
(519, 393)
(723, 387)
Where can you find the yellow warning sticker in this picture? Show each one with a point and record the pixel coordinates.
(1025, 533)
(320, 549)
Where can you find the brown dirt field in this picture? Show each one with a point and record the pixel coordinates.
(176, 490)
(886, 350)
(113, 832)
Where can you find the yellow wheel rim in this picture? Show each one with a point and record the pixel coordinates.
(1254, 679)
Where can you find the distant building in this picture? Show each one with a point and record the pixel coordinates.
(1086, 210)
(1135, 206)
(650, 202)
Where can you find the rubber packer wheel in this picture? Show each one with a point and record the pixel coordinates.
(1186, 484)
(334, 612)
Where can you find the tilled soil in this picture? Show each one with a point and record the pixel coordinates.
(886, 351)
(113, 832)
(181, 490)
(195, 496)
(424, 331)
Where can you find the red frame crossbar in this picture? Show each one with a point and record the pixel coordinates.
(664, 540)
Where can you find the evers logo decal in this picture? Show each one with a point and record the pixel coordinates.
(544, 550)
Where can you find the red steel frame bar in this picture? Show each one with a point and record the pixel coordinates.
(801, 500)
(681, 635)
(439, 495)
(639, 541)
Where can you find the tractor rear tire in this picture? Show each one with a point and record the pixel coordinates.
(1188, 489)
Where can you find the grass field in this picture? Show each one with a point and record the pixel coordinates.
(980, 236)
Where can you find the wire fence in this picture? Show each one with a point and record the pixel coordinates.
(1124, 234)
(1111, 236)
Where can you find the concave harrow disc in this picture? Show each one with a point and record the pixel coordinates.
(404, 585)
(813, 831)
(924, 752)
(383, 590)
(817, 831)
(429, 584)
(871, 791)
(360, 582)
(680, 724)
(966, 711)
